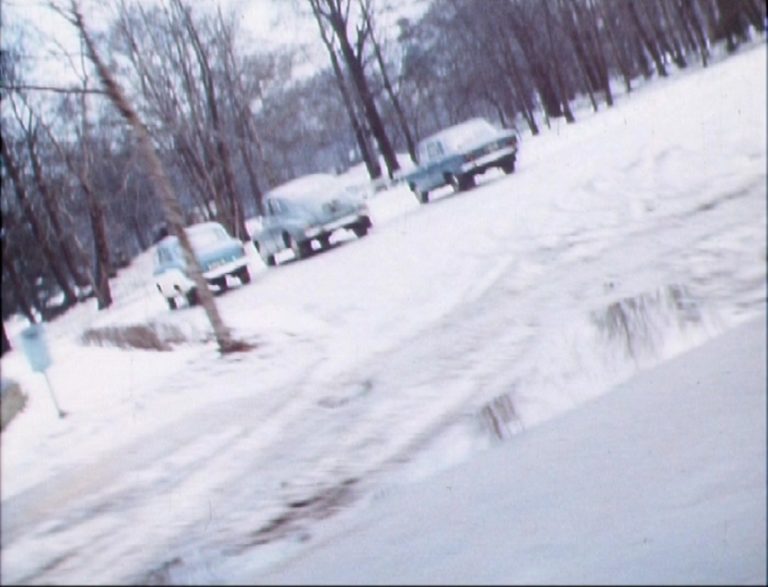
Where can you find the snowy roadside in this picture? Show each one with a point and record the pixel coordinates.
(662, 480)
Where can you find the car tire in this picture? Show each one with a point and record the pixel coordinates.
(421, 195)
(508, 166)
(192, 298)
(360, 230)
(300, 249)
(324, 241)
(462, 183)
(269, 260)
(244, 276)
(172, 303)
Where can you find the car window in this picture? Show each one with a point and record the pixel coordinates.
(163, 256)
(207, 237)
(434, 150)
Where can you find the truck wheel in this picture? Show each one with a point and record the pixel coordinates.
(462, 183)
(421, 195)
(300, 249)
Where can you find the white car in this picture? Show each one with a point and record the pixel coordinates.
(219, 255)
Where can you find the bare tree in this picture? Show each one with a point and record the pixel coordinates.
(365, 7)
(162, 186)
(336, 13)
(369, 157)
(49, 194)
(20, 189)
(645, 37)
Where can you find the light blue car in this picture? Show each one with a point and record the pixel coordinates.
(220, 256)
(456, 155)
(306, 209)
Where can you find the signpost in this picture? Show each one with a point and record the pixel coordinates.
(36, 349)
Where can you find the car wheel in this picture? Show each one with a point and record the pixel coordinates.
(172, 303)
(244, 275)
(360, 230)
(300, 249)
(192, 298)
(324, 241)
(269, 260)
(461, 183)
(508, 166)
(421, 195)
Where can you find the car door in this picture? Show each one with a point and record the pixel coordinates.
(435, 152)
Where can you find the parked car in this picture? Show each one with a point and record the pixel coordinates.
(219, 255)
(455, 155)
(306, 209)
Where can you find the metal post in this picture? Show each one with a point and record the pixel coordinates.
(62, 413)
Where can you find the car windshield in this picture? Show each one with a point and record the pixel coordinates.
(310, 188)
(206, 237)
(470, 133)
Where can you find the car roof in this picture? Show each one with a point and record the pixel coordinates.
(304, 186)
(456, 128)
(192, 229)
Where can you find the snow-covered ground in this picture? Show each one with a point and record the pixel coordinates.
(620, 242)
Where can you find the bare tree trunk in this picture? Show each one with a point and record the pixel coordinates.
(37, 228)
(388, 85)
(670, 48)
(681, 23)
(539, 74)
(688, 13)
(618, 52)
(556, 64)
(598, 56)
(371, 162)
(96, 216)
(139, 234)
(591, 82)
(22, 301)
(754, 14)
(162, 186)
(646, 39)
(517, 81)
(51, 204)
(336, 17)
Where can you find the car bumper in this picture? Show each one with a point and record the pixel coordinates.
(493, 159)
(328, 227)
(228, 268)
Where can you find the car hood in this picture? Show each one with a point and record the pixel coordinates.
(225, 251)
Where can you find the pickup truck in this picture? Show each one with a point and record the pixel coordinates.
(455, 155)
